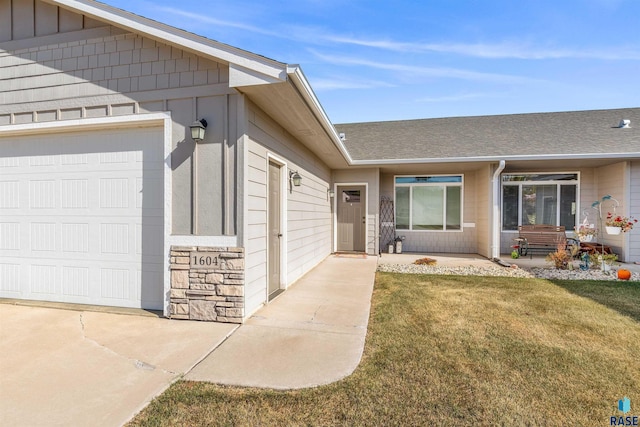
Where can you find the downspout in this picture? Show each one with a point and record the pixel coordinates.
(495, 229)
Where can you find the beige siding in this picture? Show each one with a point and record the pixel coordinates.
(634, 205)
(483, 210)
(23, 19)
(587, 193)
(308, 209)
(464, 241)
(594, 184)
(610, 181)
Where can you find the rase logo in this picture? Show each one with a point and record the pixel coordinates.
(624, 406)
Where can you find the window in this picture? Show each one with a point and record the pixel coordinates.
(548, 198)
(429, 202)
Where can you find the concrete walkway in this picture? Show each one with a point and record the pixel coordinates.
(65, 366)
(312, 334)
(61, 367)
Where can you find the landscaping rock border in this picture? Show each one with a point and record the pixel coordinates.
(498, 271)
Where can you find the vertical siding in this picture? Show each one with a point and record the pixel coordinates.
(634, 210)
(307, 207)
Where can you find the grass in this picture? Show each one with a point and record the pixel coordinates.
(449, 350)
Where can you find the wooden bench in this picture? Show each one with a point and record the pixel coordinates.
(541, 237)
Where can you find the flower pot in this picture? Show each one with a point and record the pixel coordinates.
(613, 230)
(586, 238)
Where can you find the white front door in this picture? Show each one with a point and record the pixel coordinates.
(81, 217)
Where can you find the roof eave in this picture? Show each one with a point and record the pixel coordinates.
(299, 80)
(584, 156)
(171, 35)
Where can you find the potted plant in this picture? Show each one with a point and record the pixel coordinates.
(586, 233)
(608, 260)
(602, 261)
(615, 224)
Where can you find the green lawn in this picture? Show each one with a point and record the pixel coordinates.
(454, 350)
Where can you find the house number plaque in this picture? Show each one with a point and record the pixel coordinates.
(204, 260)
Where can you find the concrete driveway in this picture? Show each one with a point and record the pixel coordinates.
(81, 368)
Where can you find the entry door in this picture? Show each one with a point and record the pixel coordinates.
(275, 232)
(351, 218)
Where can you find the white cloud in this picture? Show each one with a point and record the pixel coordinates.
(326, 84)
(209, 20)
(459, 97)
(515, 50)
(412, 70)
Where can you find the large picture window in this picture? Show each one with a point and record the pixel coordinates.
(429, 202)
(548, 198)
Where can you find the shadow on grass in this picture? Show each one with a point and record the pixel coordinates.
(623, 297)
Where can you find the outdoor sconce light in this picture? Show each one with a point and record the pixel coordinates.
(331, 193)
(197, 130)
(295, 178)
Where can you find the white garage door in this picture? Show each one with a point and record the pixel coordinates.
(81, 217)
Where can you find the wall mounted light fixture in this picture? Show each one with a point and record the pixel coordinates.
(295, 178)
(331, 192)
(198, 130)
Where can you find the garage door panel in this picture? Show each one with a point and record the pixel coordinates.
(82, 218)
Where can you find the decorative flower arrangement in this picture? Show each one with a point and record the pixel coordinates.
(623, 222)
(586, 233)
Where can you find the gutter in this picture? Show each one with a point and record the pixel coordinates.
(495, 229)
(529, 157)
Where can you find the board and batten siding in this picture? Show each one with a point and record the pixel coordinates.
(308, 209)
(96, 70)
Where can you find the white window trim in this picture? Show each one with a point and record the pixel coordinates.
(430, 184)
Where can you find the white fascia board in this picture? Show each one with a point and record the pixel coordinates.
(304, 88)
(171, 35)
(588, 156)
(84, 124)
(241, 76)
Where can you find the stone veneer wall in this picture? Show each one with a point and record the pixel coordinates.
(207, 284)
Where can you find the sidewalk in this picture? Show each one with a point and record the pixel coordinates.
(312, 334)
(69, 367)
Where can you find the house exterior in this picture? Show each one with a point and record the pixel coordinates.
(105, 197)
(464, 184)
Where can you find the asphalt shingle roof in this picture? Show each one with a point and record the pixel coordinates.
(570, 133)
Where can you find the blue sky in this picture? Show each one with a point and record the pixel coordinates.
(407, 59)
